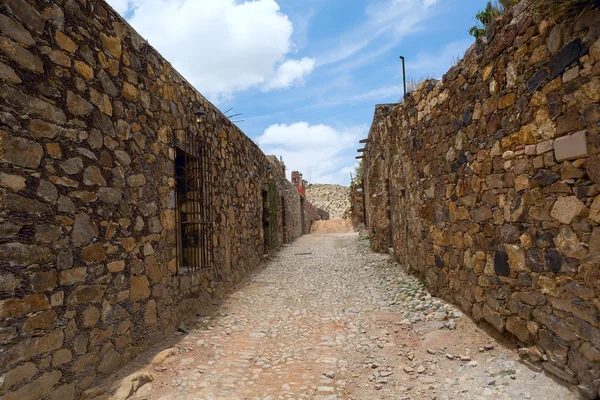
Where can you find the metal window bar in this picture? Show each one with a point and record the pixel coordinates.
(194, 205)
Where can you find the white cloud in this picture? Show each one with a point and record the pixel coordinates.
(320, 152)
(389, 19)
(120, 6)
(220, 46)
(291, 72)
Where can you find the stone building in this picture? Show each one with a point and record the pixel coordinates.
(127, 200)
(487, 185)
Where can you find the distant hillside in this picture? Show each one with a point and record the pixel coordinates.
(332, 198)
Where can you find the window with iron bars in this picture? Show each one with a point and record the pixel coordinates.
(194, 202)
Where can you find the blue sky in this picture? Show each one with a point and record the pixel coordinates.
(305, 74)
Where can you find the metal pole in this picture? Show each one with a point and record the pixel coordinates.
(403, 75)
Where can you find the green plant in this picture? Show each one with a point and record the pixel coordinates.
(358, 173)
(486, 17)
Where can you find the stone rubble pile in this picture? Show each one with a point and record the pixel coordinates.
(332, 198)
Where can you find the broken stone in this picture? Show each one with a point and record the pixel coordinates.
(516, 257)
(84, 230)
(72, 166)
(569, 244)
(567, 208)
(93, 176)
(131, 384)
(164, 355)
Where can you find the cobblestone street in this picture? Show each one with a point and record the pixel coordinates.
(328, 319)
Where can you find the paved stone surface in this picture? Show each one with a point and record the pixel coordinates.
(328, 319)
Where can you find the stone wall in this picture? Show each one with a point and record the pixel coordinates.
(376, 185)
(493, 180)
(335, 199)
(357, 207)
(90, 118)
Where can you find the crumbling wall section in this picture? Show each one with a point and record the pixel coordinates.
(495, 178)
(90, 115)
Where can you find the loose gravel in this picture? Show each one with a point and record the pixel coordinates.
(326, 318)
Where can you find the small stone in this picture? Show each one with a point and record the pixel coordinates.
(140, 288)
(164, 355)
(109, 362)
(136, 180)
(91, 316)
(65, 42)
(129, 91)
(60, 357)
(42, 129)
(12, 182)
(84, 69)
(60, 58)
(93, 253)
(77, 105)
(9, 75)
(47, 191)
(73, 276)
(93, 176)
(420, 369)
(84, 294)
(19, 151)
(84, 230)
(567, 208)
(112, 44)
(569, 244)
(408, 370)
(72, 166)
(516, 257)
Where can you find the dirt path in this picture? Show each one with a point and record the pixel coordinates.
(328, 319)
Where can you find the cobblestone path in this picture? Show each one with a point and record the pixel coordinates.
(328, 319)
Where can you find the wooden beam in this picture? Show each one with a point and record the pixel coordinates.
(362, 150)
(364, 141)
(358, 157)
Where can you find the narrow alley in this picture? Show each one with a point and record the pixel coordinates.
(326, 318)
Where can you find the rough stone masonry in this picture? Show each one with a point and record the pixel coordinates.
(487, 185)
(92, 215)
